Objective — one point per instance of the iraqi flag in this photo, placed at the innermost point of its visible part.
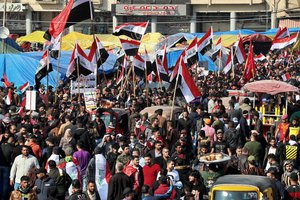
(138, 66)
(79, 61)
(229, 63)
(191, 54)
(44, 68)
(24, 87)
(130, 47)
(22, 107)
(161, 72)
(216, 50)
(5, 81)
(240, 52)
(176, 67)
(187, 85)
(282, 33)
(164, 59)
(284, 42)
(122, 73)
(286, 76)
(134, 30)
(98, 55)
(9, 96)
(250, 68)
(102, 175)
(205, 41)
(74, 12)
(260, 58)
(149, 66)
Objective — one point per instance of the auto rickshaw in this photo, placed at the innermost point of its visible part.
(243, 187)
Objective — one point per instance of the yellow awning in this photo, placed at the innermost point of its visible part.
(34, 37)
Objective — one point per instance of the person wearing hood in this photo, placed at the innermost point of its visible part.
(43, 184)
(288, 167)
(24, 191)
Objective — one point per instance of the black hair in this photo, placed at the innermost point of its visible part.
(25, 178)
(76, 184)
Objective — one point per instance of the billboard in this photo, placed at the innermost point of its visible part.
(151, 9)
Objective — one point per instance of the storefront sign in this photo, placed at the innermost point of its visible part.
(151, 9)
(12, 7)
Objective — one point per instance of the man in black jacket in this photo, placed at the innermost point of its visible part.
(76, 191)
(118, 183)
(60, 178)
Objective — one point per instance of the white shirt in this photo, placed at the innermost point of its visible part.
(21, 167)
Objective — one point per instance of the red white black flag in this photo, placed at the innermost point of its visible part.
(205, 41)
(79, 64)
(284, 42)
(130, 47)
(191, 54)
(44, 68)
(240, 52)
(74, 12)
(229, 63)
(282, 33)
(187, 84)
(135, 30)
(98, 55)
(138, 65)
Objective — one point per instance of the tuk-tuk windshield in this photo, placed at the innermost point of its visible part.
(235, 195)
(106, 120)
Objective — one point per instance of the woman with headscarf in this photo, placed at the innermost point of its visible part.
(67, 140)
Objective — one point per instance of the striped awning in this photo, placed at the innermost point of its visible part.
(289, 23)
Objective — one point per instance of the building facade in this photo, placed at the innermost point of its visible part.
(164, 16)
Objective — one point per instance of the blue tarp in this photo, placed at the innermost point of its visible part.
(21, 68)
(174, 55)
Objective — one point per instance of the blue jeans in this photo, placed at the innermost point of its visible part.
(4, 182)
(16, 185)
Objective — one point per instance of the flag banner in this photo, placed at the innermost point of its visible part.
(260, 58)
(205, 41)
(134, 30)
(286, 76)
(69, 16)
(240, 52)
(43, 69)
(79, 61)
(161, 72)
(217, 48)
(5, 81)
(187, 85)
(282, 33)
(130, 47)
(250, 68)
(191, 54)
(24, 87)
(138, 66)
(284, 42)
(228, 64)
(98, 55)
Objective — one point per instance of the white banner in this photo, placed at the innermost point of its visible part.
(30, 100)
(86, 84)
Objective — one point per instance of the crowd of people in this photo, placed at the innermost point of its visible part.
(61, 151)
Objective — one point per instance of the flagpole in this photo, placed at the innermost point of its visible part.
(134, 82)
(125, 82)
(47, 84)
(57, 68)
(220, 57)
(232, 62)
(174, 95)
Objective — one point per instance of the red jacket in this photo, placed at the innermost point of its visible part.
(162, 189)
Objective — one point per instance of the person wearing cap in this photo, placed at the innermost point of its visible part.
(282, 131)
(43, 183)
(128, 194)
(289, 168)
(293, 191)
(252, 169)
(220, 145)
(209, 131)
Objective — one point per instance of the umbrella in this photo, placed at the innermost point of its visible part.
(270, 87)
